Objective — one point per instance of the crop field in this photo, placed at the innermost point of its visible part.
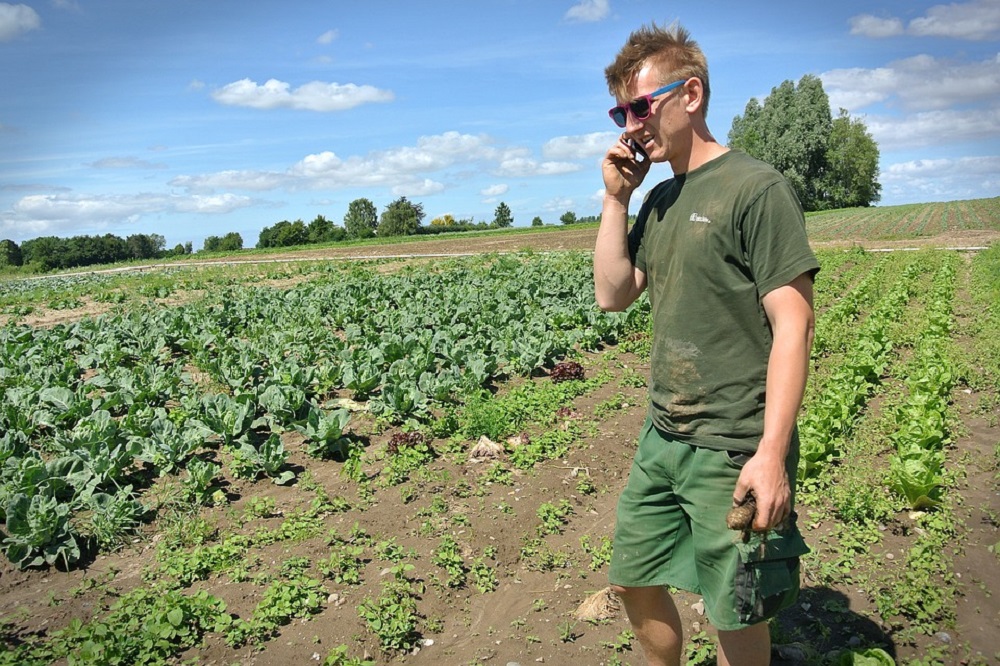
(913, 221)
(417, 462)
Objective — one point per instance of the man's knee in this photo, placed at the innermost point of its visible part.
(620, 591)
(635, 593)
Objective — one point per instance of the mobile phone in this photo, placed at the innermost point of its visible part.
(640, 154)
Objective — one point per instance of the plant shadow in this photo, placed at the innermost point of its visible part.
(820, 625)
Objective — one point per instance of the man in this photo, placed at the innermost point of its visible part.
(722, 249)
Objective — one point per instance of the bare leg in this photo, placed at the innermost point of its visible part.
(656, 623)
(745, 647)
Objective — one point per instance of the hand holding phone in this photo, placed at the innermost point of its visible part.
(624, 167)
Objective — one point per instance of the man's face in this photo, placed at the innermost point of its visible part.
(666, 115)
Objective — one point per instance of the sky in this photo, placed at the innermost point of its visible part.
(194, 118)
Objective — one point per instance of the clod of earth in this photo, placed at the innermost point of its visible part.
(602, 605)
(740, 517)
(485, 449)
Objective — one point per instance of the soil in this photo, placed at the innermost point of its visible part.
(531, 616)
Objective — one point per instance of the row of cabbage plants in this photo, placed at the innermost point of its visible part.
(96, 410)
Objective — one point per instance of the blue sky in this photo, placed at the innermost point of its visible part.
(191, 118)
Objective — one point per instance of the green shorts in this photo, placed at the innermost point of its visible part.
(671, 530)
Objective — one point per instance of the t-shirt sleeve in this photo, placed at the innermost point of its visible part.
(774, 235)
(636, 248)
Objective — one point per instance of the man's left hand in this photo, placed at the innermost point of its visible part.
(767, 478)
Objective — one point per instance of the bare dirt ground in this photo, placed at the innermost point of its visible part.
(580, 239)
(531, 615)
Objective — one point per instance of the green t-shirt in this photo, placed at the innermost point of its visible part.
(712, 243)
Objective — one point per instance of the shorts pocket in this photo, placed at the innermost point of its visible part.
(737, 459)
(767, 576)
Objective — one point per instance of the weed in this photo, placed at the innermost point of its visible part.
(499, 475)
(484, 577)
(610, 406)
(345, 564)
(700, 650)
(285, 599)
(392, 617)
(539, 557)
(553, 516)
(567, 632)
(585, 486)
(390, 550)
(339, 656)
(600, 555)
(259, 506)
(448, 556)
(622, 643)
(632, 379)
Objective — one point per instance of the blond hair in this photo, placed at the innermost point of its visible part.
(670, 50)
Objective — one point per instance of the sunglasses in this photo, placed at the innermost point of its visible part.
(639, 107)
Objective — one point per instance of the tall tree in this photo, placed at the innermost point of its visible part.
(228, 243)
(320, 230)
(400, 218)
(790, 132)
(502, 217)
(361, 219)
(446, 220)
(145, 246)
(283, 234)
(10, 253)
(852, 171)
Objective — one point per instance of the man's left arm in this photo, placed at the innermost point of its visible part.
(789, 310)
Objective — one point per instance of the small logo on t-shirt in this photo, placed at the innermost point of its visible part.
(697, 217)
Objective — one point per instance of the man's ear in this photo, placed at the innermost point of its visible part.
(695, 91)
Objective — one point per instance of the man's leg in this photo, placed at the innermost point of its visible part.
(655, 621)
(745, 647)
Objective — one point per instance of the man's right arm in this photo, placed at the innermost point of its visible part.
(617, 281)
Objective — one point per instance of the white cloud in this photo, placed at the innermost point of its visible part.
(420, 188)
(524, 167)
(920, 82)
(987, 165)
(578, 147)
(588, 11)
(495, 190)
(16, 20)
(559, 205)
(867, 25)
(125, 162)
(930, 128)
(422, 169)
(402, 169)
(974, 20)
(328, 37)
(254, 181)
(45, 214)
(214, 204)
(408, 163)
(312, 96)
(942, 179)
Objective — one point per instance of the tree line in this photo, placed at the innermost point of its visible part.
(402, 217)
(53, 253)
(830, 162)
